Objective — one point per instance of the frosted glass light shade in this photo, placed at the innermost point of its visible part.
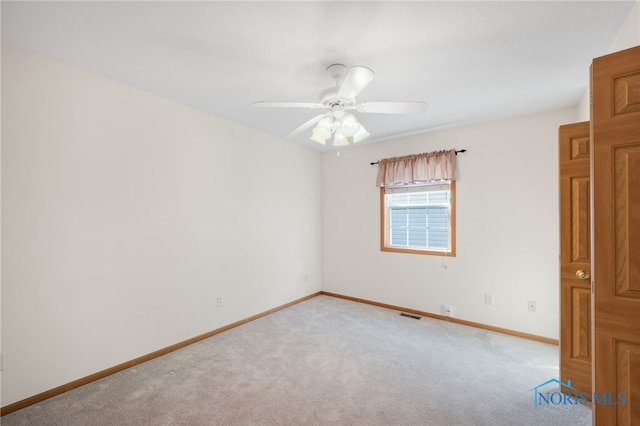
(323, 128)
(361, 135)
(317, 137)
(350, 126)
(340, 140)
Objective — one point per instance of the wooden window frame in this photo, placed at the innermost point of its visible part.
(452, 229)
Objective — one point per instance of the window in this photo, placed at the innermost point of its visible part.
(418, 218)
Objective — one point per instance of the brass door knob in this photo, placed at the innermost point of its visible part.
(582, 275)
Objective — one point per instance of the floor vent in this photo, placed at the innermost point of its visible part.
(403, 314)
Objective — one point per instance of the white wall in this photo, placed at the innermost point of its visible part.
(507, 226)
(125, 215)
(629, 34)
(627, 37)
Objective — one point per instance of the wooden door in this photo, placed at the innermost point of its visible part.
(615, 175)
(575, 257)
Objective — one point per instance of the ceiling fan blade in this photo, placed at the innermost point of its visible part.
(269, 104)
(306, 125)
(411, 107)
(357, 78)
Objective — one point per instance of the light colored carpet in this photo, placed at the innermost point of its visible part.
(326, 361)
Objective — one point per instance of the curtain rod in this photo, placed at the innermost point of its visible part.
(461, 150)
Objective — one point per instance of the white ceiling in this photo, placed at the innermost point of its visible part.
(469, 61)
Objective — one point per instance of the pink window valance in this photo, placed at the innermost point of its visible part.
(417, 168)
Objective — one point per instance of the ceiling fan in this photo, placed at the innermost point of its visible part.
(339, 100)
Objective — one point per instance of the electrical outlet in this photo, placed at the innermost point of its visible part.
(219, 301)
(488, 299)
(531, 305)
(447, 311)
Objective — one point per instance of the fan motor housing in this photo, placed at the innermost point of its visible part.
(329, 99)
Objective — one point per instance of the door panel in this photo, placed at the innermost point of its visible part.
(581, 332)
(615, 147)
(575, 255)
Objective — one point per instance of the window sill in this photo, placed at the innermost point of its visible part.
(418, 251)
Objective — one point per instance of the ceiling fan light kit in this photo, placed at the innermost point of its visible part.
(342, 126)
(337, 122)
